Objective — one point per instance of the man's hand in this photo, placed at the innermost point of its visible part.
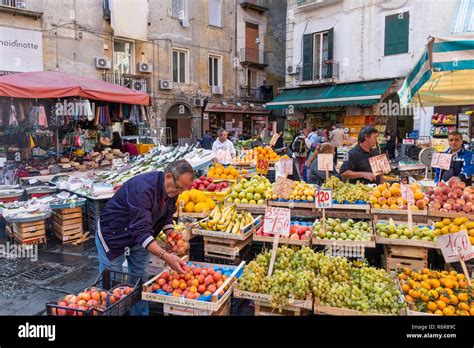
(368, 176)
(174, 262)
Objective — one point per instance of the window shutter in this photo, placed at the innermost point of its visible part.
(390, 35)
(330, 52)
(396, 33)
(215, 12)
(307, 57)
(403, 32)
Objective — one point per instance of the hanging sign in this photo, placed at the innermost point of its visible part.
(379, 164)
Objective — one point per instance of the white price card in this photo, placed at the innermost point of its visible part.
(323, 199)
(441, 160)
(277, 221)
(455, 245)
(407, 193)
(325, 161)
(379, 164)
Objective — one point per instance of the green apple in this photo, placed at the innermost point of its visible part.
(249, 196)
(257, 196)
(237, 201)
(242, 195)
(260, 201)
(252, 201)
(244, 201)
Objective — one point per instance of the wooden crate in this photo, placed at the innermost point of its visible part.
(41, 239)
(173, 310)
(269, 239)
(265, 309)
(244, 233)
(28, 232)
(398, 256)
(67, 224)
(264, 298)
(322, 309)
(224, 248)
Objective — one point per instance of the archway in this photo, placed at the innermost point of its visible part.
(178, 118)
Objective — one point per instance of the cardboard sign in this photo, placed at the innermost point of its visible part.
(325, 161)
(262, 166)
(323, 199)
(407, 193)
(455, 246)
(277, 221)
(284, 167)
(283, 187)
(379, 164)
(441, 160)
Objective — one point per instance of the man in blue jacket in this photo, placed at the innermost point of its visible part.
(132, 219)
(461, 162)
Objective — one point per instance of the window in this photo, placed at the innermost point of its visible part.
(180, 66)
(215, 12)
(214, 71)
(178, 9)
(396, 33)
(318, 55)
(123, 57)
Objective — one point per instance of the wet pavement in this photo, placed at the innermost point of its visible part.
(27, 284)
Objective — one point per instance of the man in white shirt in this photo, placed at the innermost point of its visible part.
(337, 139)
(223, 148)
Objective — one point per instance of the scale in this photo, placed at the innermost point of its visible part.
(425, 157)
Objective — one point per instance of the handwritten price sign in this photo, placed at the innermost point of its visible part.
(455, 245)
(407, 193)
(284, 167)
(277, 221)
(325, 161)
(441, 160)
(379, 164)
(262, 166)
(323, 199)
(283, 187)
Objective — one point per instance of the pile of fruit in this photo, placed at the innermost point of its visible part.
(439, 293)
(336, 229)
(335, 280)
(93, 299)
(219, 172)
(299, 230)
(195, 284)
(452, 197)
(447, 226)
(178, 240)
(195, 201)
(246, 157)
(301, 191)
(207, 184)
(401, 231)
(347, 193)
(226, 219)
(386, 196)
(266, 152)
(253, 191)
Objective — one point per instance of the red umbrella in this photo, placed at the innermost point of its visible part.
(53, 84)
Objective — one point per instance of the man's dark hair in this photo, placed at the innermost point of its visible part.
(455, 133)
(179, 168)
(366, 132)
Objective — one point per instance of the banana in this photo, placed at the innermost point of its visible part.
(235, 230)
(225, 215)
(216, 214)
(203, 224)
(229, 228)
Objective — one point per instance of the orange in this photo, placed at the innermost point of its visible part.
(463, 306)
(386, 194)
(438, 312)
(426, 285)
(444, 299)
(463, 297)
(432, 306)
(434, 294)
(441, 305)
(402, 276)
(405, 288)
(435, 283)
(410, 299)
(454, 299)
(448, 311)
(449, 291)
(471, 311)
(414, 293)
(448, 283)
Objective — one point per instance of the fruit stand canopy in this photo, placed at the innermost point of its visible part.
(357, 93)
(444, 74)
(53, 84)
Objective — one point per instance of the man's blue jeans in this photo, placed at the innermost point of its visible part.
(138, 259)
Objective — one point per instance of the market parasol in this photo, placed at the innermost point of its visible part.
(444, 74)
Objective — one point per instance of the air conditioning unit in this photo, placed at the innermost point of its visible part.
(292, 70)
(198, 102)
(145, 67)
(216, 90)
(139, 85)
(103, 63)
(166, 84)
(184, 23)
(20, 4)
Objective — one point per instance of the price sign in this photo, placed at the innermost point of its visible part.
(277, 221)
(283, 187)
(455, 246)
(323, 199)
(262, 166)
(441, 160)
(284, 167)
(409, 141)
(325, 161)
(379, 164)
(407, 193)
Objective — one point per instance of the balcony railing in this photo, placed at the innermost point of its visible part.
(323, 72)
(258, 5)
(263, 93)
(253, 56)
(312, 4)
(136, 82)
(21, 4)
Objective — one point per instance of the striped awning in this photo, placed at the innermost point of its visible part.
(444, 74)
(463, 20)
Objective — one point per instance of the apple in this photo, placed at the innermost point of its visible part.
(201, 187)
(202, 177)
(301, 230)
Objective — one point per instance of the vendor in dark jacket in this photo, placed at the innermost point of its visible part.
(132, 219)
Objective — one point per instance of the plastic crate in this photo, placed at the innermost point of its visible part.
(246, 255)
(108, 280)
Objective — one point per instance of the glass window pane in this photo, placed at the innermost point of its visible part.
(216, 72)
(182, 67)
(210, 71)
(175, 66)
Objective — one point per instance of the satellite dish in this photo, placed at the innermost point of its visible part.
(425, 157)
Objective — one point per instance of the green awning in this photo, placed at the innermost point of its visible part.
(357, 93)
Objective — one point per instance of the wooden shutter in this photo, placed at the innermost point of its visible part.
(330, 52)
(403, 32)
(307, 57)
(390, 35)
(396, 33)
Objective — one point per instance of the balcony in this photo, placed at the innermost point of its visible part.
(138, 83)
(253, 57)
(327, 72)
(257, 5)
(19, 7)
(263, 93)
(304, 5)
